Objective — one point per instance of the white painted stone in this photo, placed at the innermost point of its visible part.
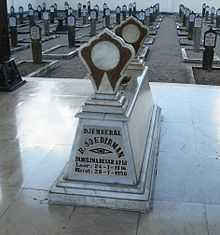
(131, 33)
(105, 55)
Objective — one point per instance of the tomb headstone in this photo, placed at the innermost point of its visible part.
(184, 17)
(142, 16)
(207, 9)
(147, 17)
(12, 10)
(10, 79)
(124, 12)
(52, 14)
(107, 18)
(39, 12)
(72, 30)
(130, 9)
(61, 27)
(93, 22)
(55, 10)
(84, 15)
(96, 7)
(89, 7)
(133, 32)
(218, 19)
(36, 44)
(31, 16)
(46, 23)
(105, 6)
(203, 9)
(79, 10)
(210, 39)
(197, 33)
(118, 15)
(181, 6)
(191, 25)
(212, 15)
(151, 15)
(44, 6)
(13, 30)
(114, 155)
(21, 15)
(30, 6)
(66, 9)
(134, 12)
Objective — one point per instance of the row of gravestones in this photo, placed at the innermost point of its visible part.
(210, 14)
(193, 23)
(184, 14)
(71, 26)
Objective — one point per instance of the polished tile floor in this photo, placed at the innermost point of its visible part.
(37, 128)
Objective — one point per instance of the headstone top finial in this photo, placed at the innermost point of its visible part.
(106, 57)
(132, 31)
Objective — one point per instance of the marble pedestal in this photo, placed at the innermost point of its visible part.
(113, 161)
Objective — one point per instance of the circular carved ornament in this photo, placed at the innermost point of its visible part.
(131, 33)
(105, 55)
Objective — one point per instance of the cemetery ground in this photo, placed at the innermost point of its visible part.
(164, 60)
(37, 128)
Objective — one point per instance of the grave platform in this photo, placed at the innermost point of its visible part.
(61, 52)
(29, 69)
(37, 130)
(190, 56)
(182, 33)
(205, 77)
(184, 41)
(19, 48)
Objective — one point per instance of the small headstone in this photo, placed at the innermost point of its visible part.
(93, 22)
(96, 8)
(39, 12)
(46, 23)
(13, 30)
(36, 44)
(210, 39)
(191, 25)
(31, 16)
(79, 10)
(84, 14)
(197, 33)
(66, 8)
(207, 9)
(147, 17)
(218, 19)
(55, 10)
(212, 15)
(30, 6)
(203, 9)
(118, 15)
(44, 6)
(130, 9)
(52, 14)
(151, 15)
(21, 15)
(124, 12)
(142, 16)
(134, 12)
(89, 7)
(107, 17)
(105, 6)
(71, 21)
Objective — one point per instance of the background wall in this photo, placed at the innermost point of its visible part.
(166, 5)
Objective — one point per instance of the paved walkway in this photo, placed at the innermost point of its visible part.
(165, 60)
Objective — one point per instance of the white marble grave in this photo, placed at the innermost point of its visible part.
(113, 161)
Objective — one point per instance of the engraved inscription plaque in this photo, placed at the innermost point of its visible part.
(101, 153)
